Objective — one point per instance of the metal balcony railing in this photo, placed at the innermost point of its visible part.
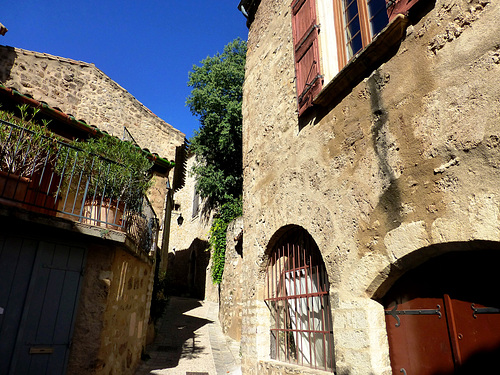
(41, 174)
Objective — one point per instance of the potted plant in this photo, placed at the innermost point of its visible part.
(106, 176)
(25, 148)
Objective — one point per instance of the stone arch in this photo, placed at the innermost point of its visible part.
(187, 270)
(362, 296)
(446, 304)
(297, 296)
(278, 235)
(392, 271)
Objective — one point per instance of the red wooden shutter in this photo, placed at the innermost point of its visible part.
(395, 7)
(306, 49)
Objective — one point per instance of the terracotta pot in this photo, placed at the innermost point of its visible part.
(41, 193)
(103, 213)
(13, 189)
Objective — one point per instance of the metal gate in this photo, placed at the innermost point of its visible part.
(442, 320)
(39, 288)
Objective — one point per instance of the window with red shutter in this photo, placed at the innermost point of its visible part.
(351, 25)
(305, 39)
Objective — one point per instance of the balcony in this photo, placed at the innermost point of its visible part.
(42, 174)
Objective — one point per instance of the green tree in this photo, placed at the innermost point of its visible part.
(215, 99)
(216, 95)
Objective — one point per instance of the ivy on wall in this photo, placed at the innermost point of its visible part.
(227, 213)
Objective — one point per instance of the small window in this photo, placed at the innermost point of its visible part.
(177, 207)
(196, 203)
(297, 296)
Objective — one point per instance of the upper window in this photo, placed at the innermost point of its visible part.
(297, 296)
(306, 51)
(359, 21)
(327, 34)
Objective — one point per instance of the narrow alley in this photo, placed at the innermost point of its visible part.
(190, 341)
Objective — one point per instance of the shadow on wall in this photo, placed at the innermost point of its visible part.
(7, 58)
(187, 269)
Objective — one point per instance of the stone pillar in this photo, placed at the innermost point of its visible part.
(360, 337)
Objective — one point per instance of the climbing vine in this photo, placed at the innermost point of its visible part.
(227, 213)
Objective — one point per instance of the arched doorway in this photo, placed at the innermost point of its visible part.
(443, 317)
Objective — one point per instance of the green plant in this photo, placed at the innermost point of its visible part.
(227, 213)
(27, 146)
(216, 98)
(112, 170)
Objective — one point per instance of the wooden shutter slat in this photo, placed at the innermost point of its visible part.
(306, 49)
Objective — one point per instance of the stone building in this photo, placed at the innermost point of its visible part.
(189, 264)
(75, 291)
(188, 270)
(371, 174)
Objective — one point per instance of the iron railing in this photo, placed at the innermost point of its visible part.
(45, 175)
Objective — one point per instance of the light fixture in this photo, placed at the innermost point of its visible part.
(180, 219)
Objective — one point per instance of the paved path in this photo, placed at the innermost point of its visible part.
(189, 341)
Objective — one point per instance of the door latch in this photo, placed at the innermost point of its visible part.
(41, 350)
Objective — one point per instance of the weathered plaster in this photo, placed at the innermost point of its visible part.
(401, 169)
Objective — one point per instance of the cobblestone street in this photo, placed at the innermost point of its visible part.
(190, 341)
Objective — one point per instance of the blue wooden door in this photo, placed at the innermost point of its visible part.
(17, 256)
(45, 317)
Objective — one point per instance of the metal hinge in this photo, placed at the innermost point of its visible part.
(309, 32)
(390, 3)
(483, 310)
(309, 86)
(394, 312)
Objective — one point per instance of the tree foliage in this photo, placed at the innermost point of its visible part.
(216, 96)
(215, 99)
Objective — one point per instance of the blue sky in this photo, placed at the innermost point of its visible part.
(147, 47)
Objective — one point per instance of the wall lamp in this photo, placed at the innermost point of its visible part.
(180, 219)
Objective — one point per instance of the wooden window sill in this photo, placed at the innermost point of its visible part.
(363, 63)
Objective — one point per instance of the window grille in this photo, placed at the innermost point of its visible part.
(297, 296)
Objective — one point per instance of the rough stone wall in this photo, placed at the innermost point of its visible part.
(113, 314)
(127, 314)
(407, 159)
(84, 355)
(191, 235)
(81, 89)
(233, 281)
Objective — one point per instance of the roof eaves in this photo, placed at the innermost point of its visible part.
(181, 153)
